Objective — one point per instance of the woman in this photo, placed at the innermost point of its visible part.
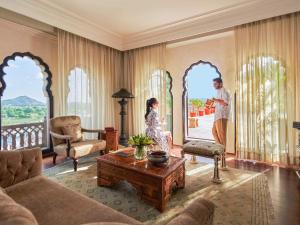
(154, 130)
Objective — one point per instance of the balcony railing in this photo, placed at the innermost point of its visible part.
(24, 135)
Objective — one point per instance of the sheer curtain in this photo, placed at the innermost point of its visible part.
(88, 74)
(145, 77)
(268, 81)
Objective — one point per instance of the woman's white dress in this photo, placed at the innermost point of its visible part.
(155, 132)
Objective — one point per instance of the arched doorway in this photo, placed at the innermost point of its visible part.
(197, 90)
(26, 102)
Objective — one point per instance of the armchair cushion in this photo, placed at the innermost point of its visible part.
(12, 213)
(81, 148)
(57, 123)
(74, 130)
(19, 165)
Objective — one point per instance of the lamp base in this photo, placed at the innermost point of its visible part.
(124, 142)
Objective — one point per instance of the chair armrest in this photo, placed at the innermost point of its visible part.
(60, 136)
(199, 212)
(100, 132)
(19, 165)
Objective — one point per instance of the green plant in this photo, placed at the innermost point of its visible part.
(140, 140)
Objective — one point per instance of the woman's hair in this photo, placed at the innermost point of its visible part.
(149, 104)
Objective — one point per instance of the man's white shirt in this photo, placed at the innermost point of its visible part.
(222, 111)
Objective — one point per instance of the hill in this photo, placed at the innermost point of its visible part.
(22, 101)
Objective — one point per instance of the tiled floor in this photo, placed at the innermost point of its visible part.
(283, 183)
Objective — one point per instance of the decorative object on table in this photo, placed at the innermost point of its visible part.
(140, 142)
(157, 157)
(112, 139)
(296, 125)
(123, 94)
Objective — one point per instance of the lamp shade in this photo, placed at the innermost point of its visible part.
(122, 93)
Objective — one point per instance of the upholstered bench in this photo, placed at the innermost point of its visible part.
(209, 150)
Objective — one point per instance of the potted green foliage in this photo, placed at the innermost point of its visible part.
(139, 142)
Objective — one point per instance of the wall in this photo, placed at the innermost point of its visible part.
(18, 38)
(217, 49)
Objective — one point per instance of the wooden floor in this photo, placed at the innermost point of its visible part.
(283, 183)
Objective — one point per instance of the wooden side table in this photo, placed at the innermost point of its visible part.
(112, 138)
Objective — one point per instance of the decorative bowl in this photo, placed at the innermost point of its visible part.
(157, 157)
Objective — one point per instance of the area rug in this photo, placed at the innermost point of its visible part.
(242, 199)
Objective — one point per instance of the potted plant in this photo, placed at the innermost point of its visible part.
(139, 142)
(194, 103)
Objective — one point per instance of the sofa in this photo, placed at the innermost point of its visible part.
(28, 198)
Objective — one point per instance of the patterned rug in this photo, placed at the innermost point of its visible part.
(242, 199)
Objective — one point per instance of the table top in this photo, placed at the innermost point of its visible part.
(141, 166)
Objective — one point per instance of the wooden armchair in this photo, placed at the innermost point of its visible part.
(66, 133)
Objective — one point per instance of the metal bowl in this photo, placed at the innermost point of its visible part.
(157, 157)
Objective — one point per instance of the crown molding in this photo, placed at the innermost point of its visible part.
(212, 21)
(64, 20)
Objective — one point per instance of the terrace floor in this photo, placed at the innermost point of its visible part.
(204, 130)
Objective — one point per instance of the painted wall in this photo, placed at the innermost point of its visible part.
(18, 38)
(218, 50)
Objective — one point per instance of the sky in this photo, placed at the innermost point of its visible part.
(199, 81)
(23, 77)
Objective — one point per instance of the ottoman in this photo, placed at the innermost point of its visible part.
(209, 150)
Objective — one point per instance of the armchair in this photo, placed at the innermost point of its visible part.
(66, 133)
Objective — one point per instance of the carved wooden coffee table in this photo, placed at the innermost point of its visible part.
(153, 183)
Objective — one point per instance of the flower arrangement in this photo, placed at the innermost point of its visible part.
(139, 142)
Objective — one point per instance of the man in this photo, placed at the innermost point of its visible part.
(222, 112)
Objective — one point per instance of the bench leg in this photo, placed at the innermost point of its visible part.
(223, 162)
(216, 177)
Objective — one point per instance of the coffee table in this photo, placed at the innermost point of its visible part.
(154, 184)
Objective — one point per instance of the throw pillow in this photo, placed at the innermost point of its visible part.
(74, 130)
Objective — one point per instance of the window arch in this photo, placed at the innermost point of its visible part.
(197, 88)
(26, 101)
(79, 98)
(162, 80)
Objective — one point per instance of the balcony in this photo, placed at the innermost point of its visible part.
(27, 135)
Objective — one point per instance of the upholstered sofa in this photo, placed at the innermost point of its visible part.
(28, 198)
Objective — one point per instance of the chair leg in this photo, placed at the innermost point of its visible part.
(75, 163)
(54, 158)
(223, 162)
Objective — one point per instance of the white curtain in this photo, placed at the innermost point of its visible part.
(88, 74)
(268, 96)
(145, 77)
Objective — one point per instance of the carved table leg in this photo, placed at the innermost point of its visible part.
(216, 177)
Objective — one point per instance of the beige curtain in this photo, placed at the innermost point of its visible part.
(88, 74)
(145, 77)
(268, 84)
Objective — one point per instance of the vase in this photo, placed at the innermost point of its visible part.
(139, 152)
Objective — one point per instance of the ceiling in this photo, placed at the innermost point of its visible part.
(127, 24)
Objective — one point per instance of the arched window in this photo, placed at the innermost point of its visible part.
(26, 102)
(262, 108)
(198, 88)
(161, 88)
(79, 99)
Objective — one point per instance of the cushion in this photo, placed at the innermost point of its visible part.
(74, 130)
(82, 148)
(53, 204)
(203, 148)
(12, 213)
(200, 211)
